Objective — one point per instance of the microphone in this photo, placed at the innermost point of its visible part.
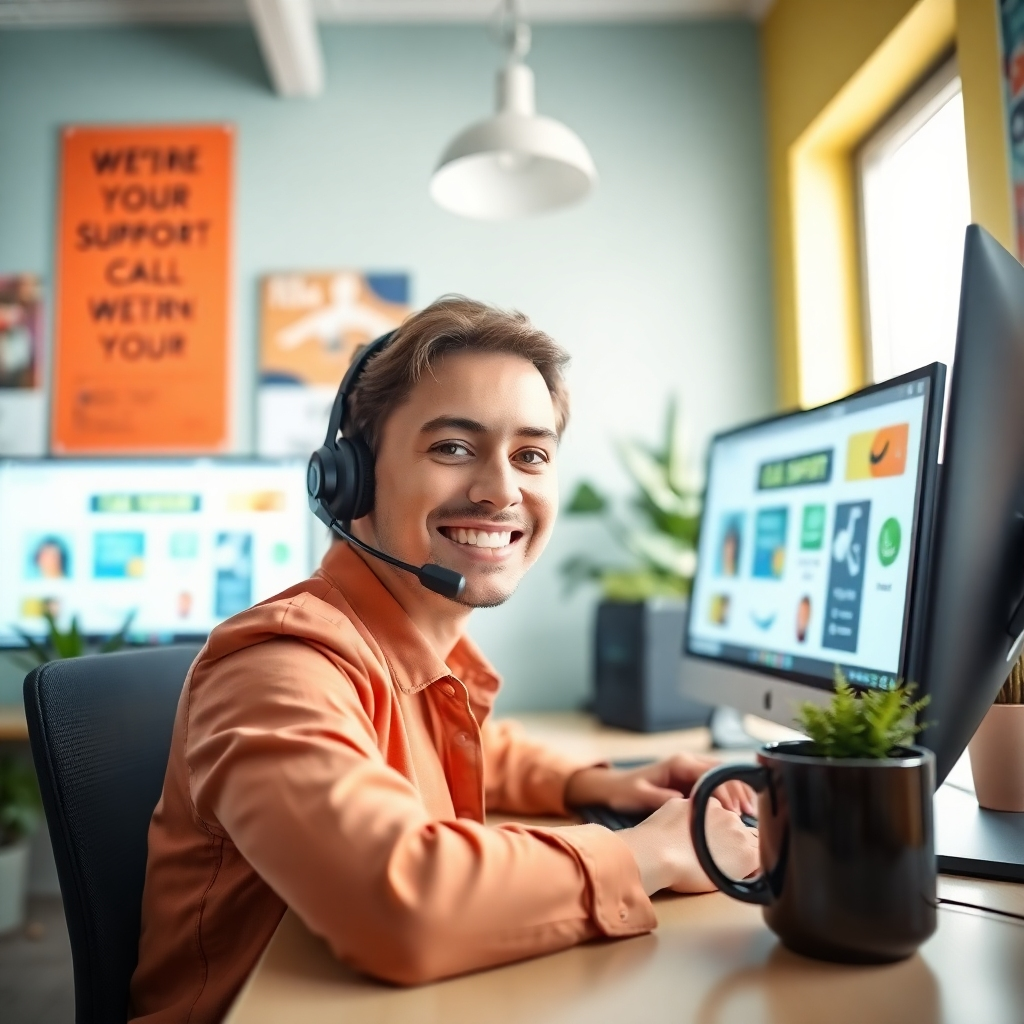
(446, 582)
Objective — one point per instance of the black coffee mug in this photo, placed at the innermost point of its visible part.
(847, 849)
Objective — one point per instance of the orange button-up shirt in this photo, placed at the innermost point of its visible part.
(325, 759)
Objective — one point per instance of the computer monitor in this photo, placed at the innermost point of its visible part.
(961, 626)
(974, 628)
(809, 549)
(181, 543)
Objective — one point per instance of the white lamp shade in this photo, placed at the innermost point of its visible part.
(512, 165)
(515, 163)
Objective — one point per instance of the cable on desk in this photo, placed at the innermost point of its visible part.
(942, 901)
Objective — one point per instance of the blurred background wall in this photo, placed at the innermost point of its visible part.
(659, 284)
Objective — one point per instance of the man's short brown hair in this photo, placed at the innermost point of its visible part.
(451, 324)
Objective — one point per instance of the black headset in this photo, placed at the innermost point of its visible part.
(340, 484)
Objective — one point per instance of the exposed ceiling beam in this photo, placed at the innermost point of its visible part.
(288, 37)
(91, 12)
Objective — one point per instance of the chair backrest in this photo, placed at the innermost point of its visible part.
(100, 729)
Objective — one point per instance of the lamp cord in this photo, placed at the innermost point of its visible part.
(942, 901)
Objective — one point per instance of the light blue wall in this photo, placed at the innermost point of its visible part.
(659, 283)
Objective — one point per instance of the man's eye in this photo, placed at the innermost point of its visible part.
(451, 448)
(532, 457)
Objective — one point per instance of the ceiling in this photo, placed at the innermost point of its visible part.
(90, 12)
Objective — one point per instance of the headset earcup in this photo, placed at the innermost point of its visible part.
(362, 499)
(352, 495)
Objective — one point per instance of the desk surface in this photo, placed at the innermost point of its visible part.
(711, 960)
(12, 723)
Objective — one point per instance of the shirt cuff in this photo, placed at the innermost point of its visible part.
(618, 904)
(552, 777)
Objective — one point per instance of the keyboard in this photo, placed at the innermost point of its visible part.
(599, 814)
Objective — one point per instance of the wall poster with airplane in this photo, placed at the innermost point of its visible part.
(311, 324)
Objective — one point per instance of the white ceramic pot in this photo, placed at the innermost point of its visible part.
(13, 885)
(997, 758)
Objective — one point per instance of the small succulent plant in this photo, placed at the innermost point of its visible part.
(869, 724)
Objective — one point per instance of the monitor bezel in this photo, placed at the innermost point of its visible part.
(921, 535)
(142, 639)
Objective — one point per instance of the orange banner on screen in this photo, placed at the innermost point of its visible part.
(877, 453)
(143, 278)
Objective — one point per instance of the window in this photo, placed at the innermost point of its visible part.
(915, 207)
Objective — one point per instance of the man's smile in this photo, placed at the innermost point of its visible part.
(489, 540)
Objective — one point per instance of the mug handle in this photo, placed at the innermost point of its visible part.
(749, 890)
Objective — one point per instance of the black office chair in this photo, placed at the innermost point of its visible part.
(100, 730)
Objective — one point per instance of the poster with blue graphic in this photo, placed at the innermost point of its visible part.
(232, 556)
(846, 576)
(770, 543)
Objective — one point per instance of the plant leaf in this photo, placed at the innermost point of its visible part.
(652, 478)
(586, 500)
(117, 641)
(40, 653)
(668, 554)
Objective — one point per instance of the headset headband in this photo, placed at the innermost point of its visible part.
(363, 355)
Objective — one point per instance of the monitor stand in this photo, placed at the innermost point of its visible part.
(975, 842)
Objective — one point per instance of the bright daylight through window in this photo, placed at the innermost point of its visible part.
(915, 207)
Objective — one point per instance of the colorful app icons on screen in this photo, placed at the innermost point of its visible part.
(877, 453)
(718, 610)
(47, 557)
(184, 544)
(257, 501)
(232, 558)
(812, 528)
(37, 607)
(889, 542)
(184, 604)
(119, 555)
(846, 576)
(770, 543)
(803, 618)
(730, 544)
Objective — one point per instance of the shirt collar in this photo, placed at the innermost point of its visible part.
(411, 659)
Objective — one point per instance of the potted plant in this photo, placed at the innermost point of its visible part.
(641, 618)
(845, 830)
(69, 643)
(997, 748)
(19, 810)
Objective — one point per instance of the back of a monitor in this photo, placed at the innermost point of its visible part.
(977, 568)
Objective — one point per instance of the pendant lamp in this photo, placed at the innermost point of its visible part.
(515, 163)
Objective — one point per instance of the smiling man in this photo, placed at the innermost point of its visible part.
(334, 750)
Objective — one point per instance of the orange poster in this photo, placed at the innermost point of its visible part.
(143, 289)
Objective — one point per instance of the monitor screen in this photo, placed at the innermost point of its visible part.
(184, 544)
(808, 536)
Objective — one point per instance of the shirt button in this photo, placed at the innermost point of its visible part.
(462, 738)
(448, 690)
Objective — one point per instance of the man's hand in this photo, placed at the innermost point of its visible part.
(665, 856)
(647, 788)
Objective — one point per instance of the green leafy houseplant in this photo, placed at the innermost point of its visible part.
(868, 725)
(69, 643)
(659, 529)
(19, 801)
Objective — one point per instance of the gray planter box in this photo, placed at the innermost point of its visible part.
(637, 659)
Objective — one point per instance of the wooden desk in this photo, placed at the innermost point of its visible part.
(12, 723)
(711, 961)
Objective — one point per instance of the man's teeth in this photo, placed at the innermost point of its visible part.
(479, 538)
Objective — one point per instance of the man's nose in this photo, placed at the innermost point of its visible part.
(495, 484)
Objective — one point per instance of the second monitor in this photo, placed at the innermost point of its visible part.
(810, 536)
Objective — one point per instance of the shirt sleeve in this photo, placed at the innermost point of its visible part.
(522, 776)
(282, 747)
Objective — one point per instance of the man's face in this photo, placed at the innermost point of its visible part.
(465, 473)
